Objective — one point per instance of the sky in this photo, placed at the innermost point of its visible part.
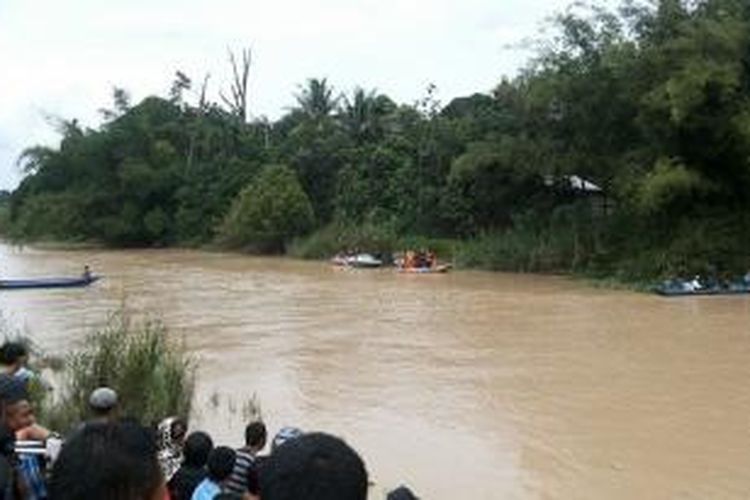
(62, 58)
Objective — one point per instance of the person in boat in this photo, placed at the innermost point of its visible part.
(408, 259)
(695, 284)
(86, 273)
(431, 259)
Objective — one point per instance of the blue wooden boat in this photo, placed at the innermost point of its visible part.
(676, 288)
(17, 284)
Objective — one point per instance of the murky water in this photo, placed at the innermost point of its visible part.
(465, 385)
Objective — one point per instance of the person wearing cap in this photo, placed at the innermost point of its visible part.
(103, 404)
(285, 434)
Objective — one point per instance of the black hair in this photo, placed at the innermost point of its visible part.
(401, 493)
(11, 352)
(226, 495)
(220, 463)
(176, 423)
(114, 460)
(256, 434)
(314, 466)
(197, 447)
(12, 390)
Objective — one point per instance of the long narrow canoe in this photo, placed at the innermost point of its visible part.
(16, 284)
(673, 292)
(678, 289)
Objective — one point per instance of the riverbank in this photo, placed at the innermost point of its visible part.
(519, 250)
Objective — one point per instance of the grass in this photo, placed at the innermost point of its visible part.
(152, 374)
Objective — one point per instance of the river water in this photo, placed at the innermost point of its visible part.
(465, 385)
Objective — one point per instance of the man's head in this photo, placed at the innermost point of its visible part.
(220, 463)
(198, 446)
(103, 402)
(113, 460)
(256, 435)
(314, 466)
(13, 354)
(17, 412)
(401, 493)
(177, 431)
(19, 415)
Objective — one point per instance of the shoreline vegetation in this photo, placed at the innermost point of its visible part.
(153, 374)
(619, 154)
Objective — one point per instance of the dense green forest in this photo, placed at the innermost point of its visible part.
(649, 103)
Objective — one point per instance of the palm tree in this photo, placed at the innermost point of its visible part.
(362, 115)
(34, 158)
(316, 100)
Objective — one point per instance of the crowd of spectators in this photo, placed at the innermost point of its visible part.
(113, 456)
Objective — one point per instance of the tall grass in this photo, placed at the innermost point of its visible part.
(565, 241)
(336, 237)
(152, 374)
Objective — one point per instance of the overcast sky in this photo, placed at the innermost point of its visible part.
(62, 57)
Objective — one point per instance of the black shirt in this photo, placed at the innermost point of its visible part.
(184, 481)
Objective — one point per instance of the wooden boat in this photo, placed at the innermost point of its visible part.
(678, 289)
(17, 284)
(439, 269)
(360, 261)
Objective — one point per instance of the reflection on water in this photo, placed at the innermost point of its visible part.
(465, 385)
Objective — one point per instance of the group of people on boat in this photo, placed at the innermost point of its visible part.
(420, 259)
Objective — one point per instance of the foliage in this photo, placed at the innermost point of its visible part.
(336, 237)
(266, 214)
(649, 102)
(152, 374)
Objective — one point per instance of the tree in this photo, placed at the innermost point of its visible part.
(316, 99)
(268, 213)
(237, 102)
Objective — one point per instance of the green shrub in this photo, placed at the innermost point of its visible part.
(153, 375)
(335, 237)
(267, 213)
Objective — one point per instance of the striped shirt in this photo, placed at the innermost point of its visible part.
(241, 479)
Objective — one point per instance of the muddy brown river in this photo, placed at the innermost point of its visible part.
(468, 385)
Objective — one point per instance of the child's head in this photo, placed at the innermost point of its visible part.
(220, 463)
(256, 435)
